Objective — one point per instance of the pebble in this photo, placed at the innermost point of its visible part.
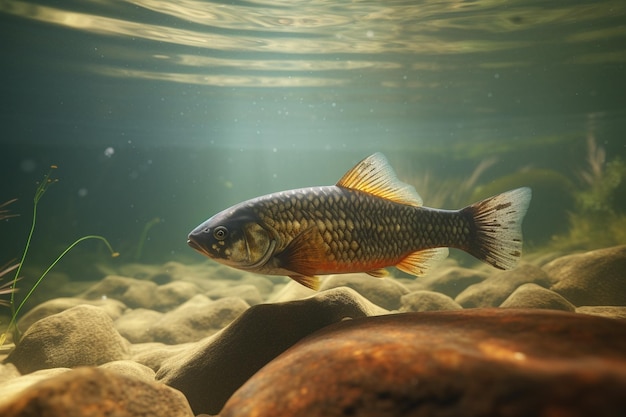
(209, 331)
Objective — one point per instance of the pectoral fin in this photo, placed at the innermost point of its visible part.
(309, 282)
(302, 256)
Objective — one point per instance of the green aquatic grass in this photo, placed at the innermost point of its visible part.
(12, 326)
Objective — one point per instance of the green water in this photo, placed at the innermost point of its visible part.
(176, 110)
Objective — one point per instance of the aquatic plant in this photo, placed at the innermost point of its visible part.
(144, 235)
(598, 220)
(450, 193)
(4, 214)
(12, 326)
(7, 287)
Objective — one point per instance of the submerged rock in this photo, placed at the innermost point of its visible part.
(596, 278)
(471, 363)
(134, 293)
(249, 293)
(196, 319)
(113, 308)
(611, 312)
(451, 280)
(427, 301)
(211, 370)
(496, 288)
(96, 392)
(535, 296)
(385, 292)
(81, 336)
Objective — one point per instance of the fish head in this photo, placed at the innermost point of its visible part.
(234, 238)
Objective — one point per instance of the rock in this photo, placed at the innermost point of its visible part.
(8, 371)
(81, 336)
(385, 292)
(475, 362)
(98, 393)
(610, 312)
(13, 387)
(290, 292)
(596, 278)
(211, 370)
(249, 293)
(136, 325)
(535, 296)
(134, 293)
(494, 290)
(173, 294)
(450, 281)
(196, 319)
(427, 301)
(113, 308)
(153, 355)
(131, 369)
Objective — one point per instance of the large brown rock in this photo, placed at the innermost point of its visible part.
(482, 362)
(93, 392)
(208, 372)
(596, 278)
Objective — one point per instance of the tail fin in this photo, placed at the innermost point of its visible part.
(498, 222)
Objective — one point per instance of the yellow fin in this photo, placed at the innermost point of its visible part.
(417, 263)
(375, 176)
(309, 282)
(378, 273)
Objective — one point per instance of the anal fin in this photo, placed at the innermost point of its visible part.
(417, 263)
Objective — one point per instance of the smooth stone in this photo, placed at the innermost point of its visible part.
(450, 281)
(13, 387)
(136, 325)
(153, 355)
(130, 369)
(211, 370)
(97, 392)
(604, 311)
(535, 296)
(476, 362)
(113, 308)
(596, 278)
(497, 287)
(8, 371)
(196, 319)
(427, 301)
(384, 292)
(81, 336)
(249, 293)
(173, 294)
(290, 292)
(134, 293)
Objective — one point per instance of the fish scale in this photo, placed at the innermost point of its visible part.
(368, 221)
(386, 230)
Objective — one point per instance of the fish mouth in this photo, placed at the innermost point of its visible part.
(197, 247)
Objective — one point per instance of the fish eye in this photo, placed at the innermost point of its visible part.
(220, 233)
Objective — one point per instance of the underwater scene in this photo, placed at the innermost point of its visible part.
(312, 208)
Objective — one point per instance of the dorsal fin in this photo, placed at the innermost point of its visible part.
(375, 176)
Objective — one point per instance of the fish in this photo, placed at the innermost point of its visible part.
(366, 222)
